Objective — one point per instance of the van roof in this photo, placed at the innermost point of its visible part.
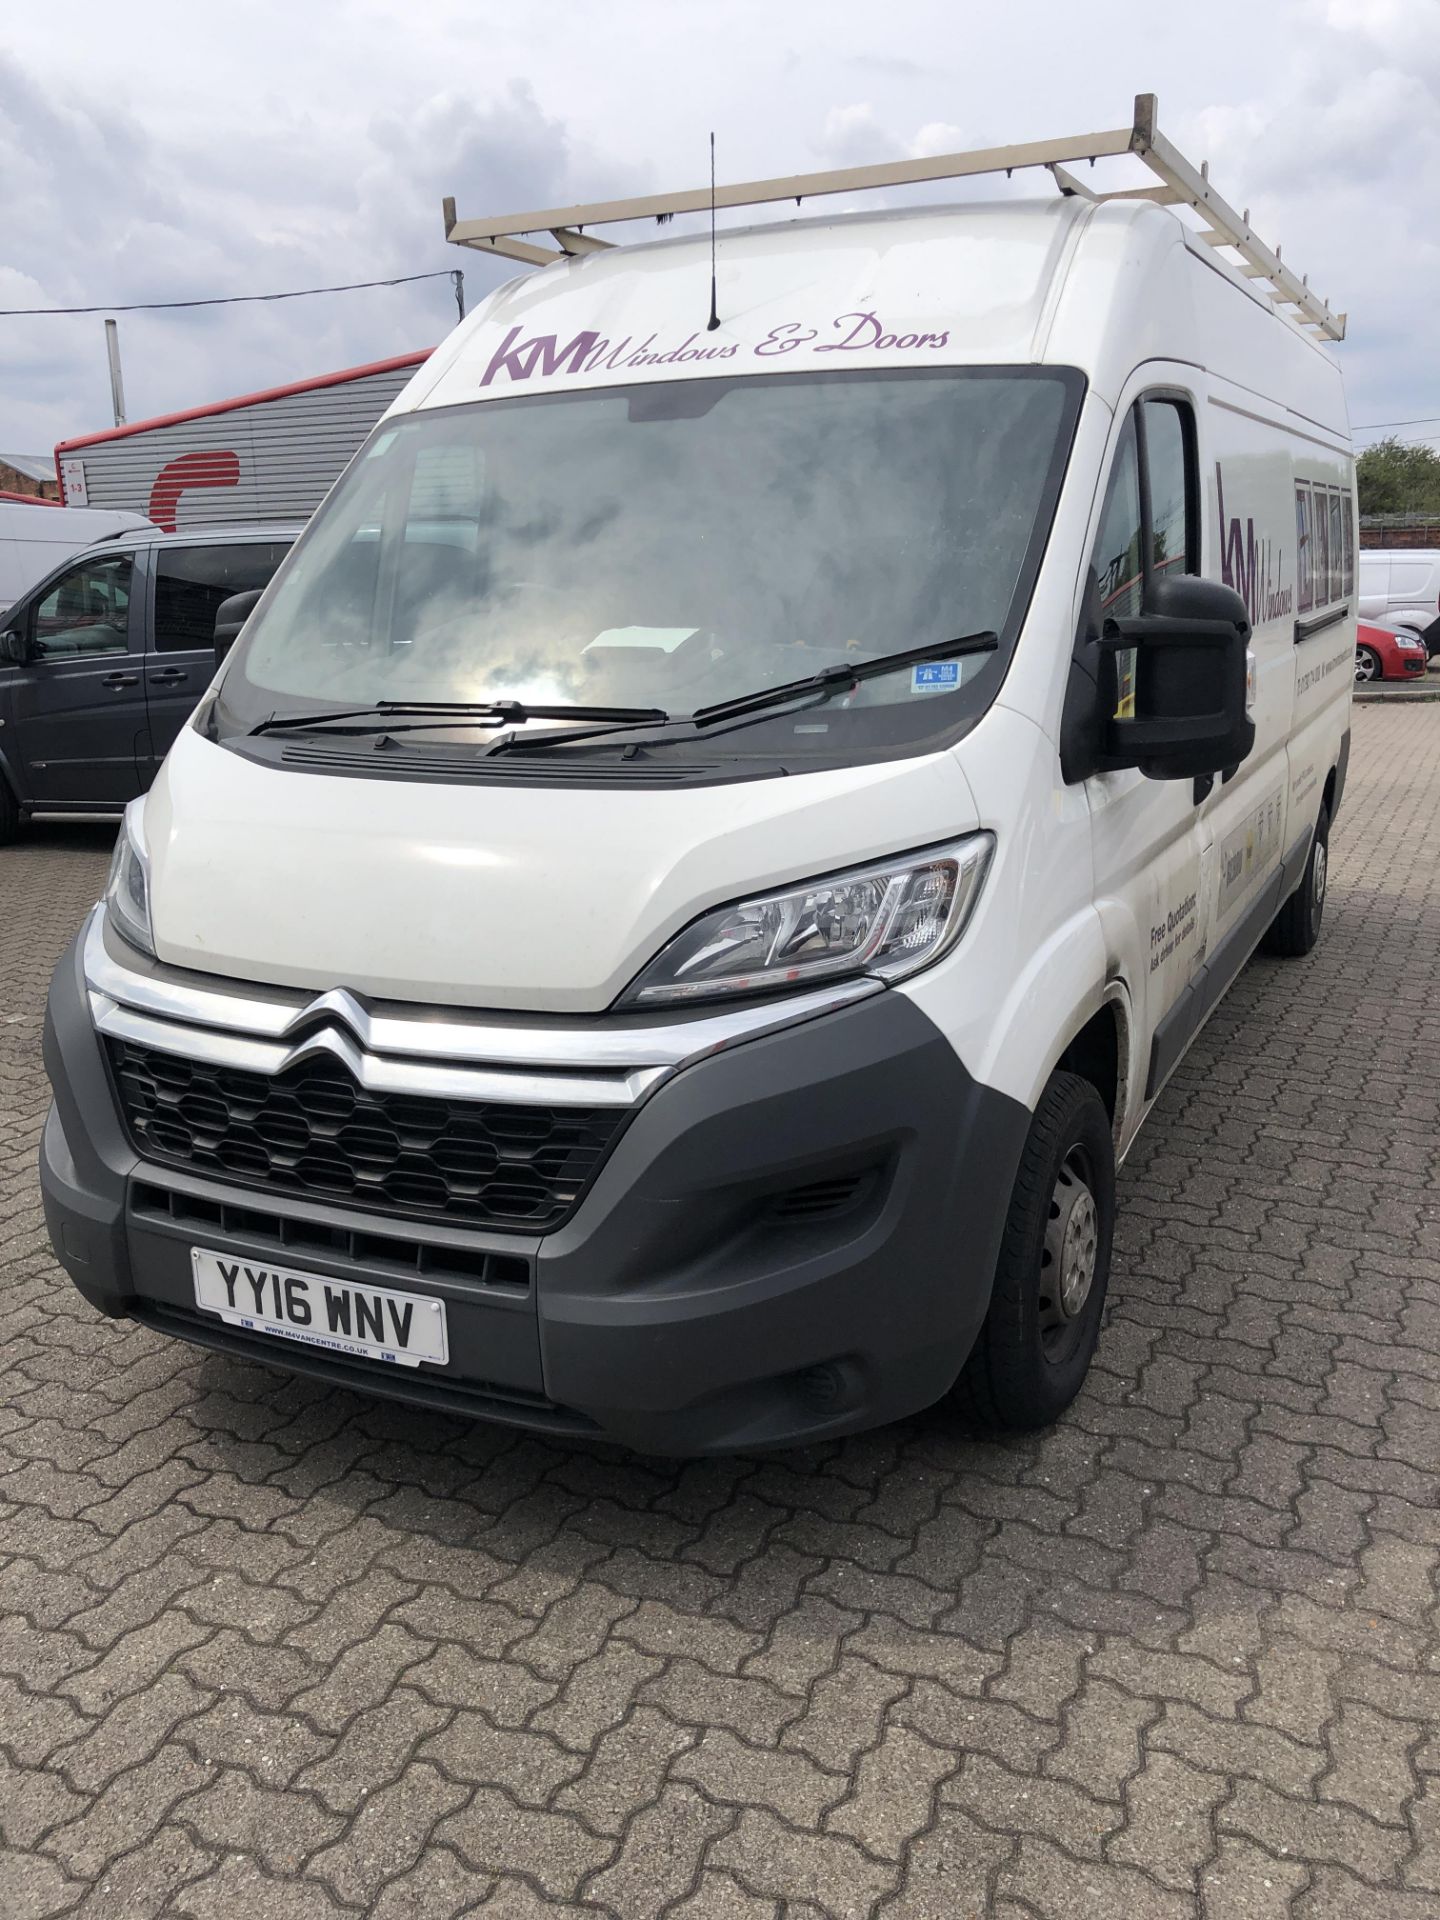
(150, 536)
(1067, 281)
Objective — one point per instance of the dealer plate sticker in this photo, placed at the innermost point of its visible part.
(934, 676)
(341, 1316)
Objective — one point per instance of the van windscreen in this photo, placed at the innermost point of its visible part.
(675, 545)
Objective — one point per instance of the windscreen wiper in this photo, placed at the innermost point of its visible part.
(825, 684)
(419, 716)
(832, 680)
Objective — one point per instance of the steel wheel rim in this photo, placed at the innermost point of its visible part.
(1320, 875)
(1069, 1256)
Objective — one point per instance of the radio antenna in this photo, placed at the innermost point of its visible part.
(713, 322)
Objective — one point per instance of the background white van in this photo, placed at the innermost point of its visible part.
(1400, 585)
(34, 539)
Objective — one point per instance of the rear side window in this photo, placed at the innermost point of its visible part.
(1304, 547)
(1337, 547)
(1325, 547)
(191, 582)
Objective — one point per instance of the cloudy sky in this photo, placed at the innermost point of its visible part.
(166, 151)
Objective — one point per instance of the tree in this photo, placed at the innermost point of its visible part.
(1392, 477)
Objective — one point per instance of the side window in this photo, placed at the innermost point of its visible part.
(1322, 547)
(1116, 558)
(191, 582)
(1304, 548)
(1150, 523)
(86, 611)
(1169, 467)
(1337, 547)
(1347, 585)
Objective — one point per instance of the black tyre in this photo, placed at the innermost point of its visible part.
(9, 814)
(1038, 1338)
(1296, 928)
(1367, 666)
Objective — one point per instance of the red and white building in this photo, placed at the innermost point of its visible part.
(262, 457)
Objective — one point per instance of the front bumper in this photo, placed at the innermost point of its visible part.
(791, 1239)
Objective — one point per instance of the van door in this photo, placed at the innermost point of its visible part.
(1146, 834)
(187, 586)
(1412, 598)
(1283, 540)
(1374, 600)
(78, 706)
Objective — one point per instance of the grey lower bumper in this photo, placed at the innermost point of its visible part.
(790, 1240)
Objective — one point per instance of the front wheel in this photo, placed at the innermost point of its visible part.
(1367, 666)
(1296, 928)
(1044, 1321)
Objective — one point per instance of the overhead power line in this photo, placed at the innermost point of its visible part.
(241, 299)
(1376, 426)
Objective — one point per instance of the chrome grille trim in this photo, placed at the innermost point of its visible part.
(610, 1062)
(371, 1071)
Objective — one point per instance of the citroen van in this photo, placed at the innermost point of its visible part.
(707, 851)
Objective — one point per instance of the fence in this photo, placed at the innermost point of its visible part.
(1400, 530)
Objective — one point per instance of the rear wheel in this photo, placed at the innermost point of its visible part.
(1296, 928)
(1044, 1321)
(1367, 666)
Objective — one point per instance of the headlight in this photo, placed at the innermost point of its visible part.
(1408, 642)
(127, 891)
(888, 920)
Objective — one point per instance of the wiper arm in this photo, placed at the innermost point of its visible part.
(612, 720)
(832, 680)
(423, 714)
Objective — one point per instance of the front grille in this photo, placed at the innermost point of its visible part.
(313, 1130)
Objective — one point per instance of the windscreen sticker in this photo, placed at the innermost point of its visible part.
(934, 676)
(521, 356)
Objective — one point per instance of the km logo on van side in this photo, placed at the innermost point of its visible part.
(1251, 566)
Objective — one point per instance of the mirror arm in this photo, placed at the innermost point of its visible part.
(1159, 630)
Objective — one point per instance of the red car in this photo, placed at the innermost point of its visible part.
(1387, 653)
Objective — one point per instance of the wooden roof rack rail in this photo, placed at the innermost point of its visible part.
(1178, 184)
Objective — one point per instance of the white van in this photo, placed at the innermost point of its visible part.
(707, 851)
(1401, 586)
(35, 538)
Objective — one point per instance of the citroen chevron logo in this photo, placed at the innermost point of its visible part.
(338, 1006)
(327, 1040)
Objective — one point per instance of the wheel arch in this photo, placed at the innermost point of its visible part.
(1099, 1051)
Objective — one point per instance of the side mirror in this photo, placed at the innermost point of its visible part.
(1167, 690)
(14, 650)
(230, 617)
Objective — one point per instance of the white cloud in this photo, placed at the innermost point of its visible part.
(264, 145)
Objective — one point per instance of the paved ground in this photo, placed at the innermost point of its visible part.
(269, 1651)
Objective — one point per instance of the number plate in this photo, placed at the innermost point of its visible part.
(341, 1316)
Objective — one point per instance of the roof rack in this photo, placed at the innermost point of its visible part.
(1179, 185)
